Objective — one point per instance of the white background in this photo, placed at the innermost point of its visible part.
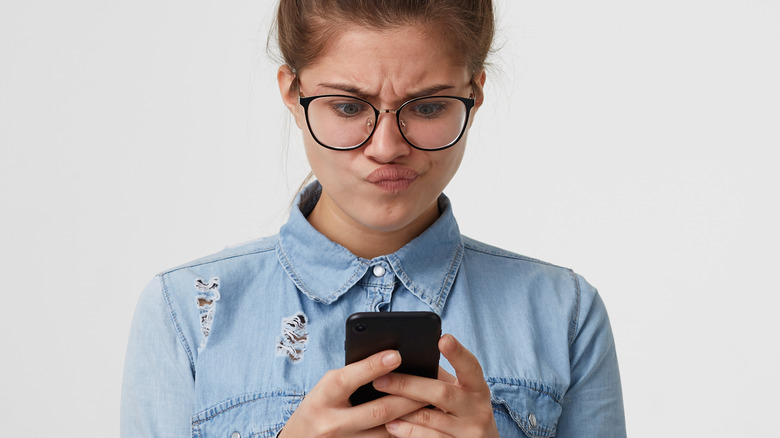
(635, 142)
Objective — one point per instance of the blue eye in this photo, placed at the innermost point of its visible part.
(428, 110)
(348, 109)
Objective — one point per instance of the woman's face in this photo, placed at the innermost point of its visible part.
(385, 185)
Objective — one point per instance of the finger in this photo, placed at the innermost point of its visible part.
(341, 383)
(377, 432)
(445, 376)
(467, 367)
(403, 429)
(434, 420)
(380, 411)
(434, 392)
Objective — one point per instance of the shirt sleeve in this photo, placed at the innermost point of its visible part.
(158, 385)
(593, 404)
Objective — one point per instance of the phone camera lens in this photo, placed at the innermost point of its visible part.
(360, 328)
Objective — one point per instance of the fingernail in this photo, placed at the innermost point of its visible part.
(391, 358)
(381, 382)
(391, 426)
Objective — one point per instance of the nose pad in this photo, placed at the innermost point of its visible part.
(370, 125)
(387, 142)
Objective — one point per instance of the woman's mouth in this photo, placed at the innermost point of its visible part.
(392, 177)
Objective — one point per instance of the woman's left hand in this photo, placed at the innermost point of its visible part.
(463, 402)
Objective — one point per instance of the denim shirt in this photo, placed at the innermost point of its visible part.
(227, 346)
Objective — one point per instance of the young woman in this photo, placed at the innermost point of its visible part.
(249, 342)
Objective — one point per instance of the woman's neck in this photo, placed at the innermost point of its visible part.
(364, 241)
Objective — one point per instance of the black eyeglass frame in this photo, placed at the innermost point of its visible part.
(304, 101)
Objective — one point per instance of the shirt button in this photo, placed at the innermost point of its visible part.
(379, 271)
(532, 420)
(235, 435)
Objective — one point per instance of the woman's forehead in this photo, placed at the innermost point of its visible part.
(405, 60)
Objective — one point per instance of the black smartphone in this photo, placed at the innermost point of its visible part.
(414, 334)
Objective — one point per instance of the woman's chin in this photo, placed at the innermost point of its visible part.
(400, 220)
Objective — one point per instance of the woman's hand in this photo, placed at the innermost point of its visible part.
(463, 402)
(326, 411)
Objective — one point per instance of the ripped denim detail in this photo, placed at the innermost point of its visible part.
(294, 337)
(208, 295)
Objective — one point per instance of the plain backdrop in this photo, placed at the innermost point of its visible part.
(634, 141)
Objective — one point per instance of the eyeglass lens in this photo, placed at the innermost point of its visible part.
(343, 122)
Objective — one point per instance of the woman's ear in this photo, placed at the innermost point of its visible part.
(478, 82)
(288, 88)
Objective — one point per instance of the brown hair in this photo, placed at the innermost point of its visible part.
(304, 27)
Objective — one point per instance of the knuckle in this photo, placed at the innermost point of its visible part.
(337, 378)
(329, 375)
(373, 367)
(400, 383)
(367, 369)
(380, 412)
(424, 416)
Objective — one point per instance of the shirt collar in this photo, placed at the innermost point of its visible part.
(324, 270)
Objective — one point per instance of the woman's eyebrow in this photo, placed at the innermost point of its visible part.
(430, 90)
(427, 91)
(351, 89)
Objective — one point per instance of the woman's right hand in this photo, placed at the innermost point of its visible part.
(327, 412)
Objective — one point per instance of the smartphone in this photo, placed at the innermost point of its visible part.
(414, 334)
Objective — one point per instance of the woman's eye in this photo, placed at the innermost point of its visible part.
(428, 110)
(349, 108)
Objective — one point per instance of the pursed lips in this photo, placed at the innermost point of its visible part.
(392, 177)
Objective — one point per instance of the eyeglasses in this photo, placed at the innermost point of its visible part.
(428, 123)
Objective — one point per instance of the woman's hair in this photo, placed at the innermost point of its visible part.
(304, 27)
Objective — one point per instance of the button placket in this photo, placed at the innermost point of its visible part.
(380, 284)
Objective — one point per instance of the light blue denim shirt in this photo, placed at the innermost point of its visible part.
(232, 342)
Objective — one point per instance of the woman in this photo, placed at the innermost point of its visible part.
(384, 94)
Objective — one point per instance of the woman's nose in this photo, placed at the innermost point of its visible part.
(387, 144)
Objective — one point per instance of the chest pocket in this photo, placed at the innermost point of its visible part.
(257, 415)
(523, 411)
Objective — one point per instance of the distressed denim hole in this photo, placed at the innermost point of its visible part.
(208, 295)
(295, 335)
